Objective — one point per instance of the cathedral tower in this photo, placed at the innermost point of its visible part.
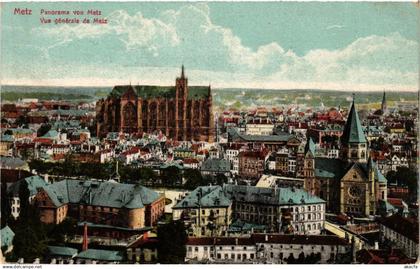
(353, 140)
(384, 107)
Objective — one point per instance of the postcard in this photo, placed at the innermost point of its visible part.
(209, 133)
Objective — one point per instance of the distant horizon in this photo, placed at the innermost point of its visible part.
(218, 88)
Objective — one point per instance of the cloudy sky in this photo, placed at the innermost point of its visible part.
(343, 46)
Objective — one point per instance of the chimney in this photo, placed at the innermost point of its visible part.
(236, 241)
(266, 238)
(376, 245)
(85, 237)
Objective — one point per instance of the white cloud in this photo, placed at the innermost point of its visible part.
(188, 35)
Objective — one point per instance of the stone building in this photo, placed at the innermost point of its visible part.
(267, 248)
(206, 211)
(402, 233)
(252, 164)
(181, 112)
(106, 203)
(352, 184)
(218, 207)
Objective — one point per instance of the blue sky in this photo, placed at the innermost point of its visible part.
(344, 46)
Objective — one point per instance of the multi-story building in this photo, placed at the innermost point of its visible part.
(107, 203)
(221, 249)
(206, 211)
(352, 184)
(400, 232)
(181, 112)
(267, 206)
(259, 126)
(32, 184)
(267, 248)
(252, 163)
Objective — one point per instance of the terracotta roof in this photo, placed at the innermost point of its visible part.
(378, 256)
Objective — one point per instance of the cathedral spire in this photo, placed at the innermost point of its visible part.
(353, 132)
(182, 72)
(383, 105)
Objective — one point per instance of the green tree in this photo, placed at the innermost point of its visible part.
(5, 205)
(171, 176)
(43, 129)
(29, 243)
(193, 179)
(172, 239)
(59, 232)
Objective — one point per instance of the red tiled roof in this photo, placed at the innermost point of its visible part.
(378, 256)
(395, 202)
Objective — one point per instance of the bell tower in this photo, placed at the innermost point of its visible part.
(353, 140)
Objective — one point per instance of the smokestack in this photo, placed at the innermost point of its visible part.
(85, 237)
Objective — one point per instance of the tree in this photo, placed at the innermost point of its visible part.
(221, 179)
(24, 199)
(43, 129)
(172, 239)
(405, 176)
(171, 176)
(5, 205)
(28, 243)
(59, 232)
(21, 121)
(193, 179)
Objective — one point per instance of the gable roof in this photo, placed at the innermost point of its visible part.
(310, 147)
(6, 236)
(152, 91)
(353, 131)
(404, 226)
(279, 196)
(62, 251)
(100, 193)
(100, 255)
(33, 183)
(329, 168)
(205, 196)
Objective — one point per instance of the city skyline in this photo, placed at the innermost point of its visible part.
(353, 46)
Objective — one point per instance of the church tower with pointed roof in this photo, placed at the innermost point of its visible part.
(384, 106)
(353, 140)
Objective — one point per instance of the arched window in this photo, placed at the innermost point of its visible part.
(130, 117)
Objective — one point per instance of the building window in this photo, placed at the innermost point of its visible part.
(244, 248)
(189, 249)
(251, 256)
(226, 256)
(232, 256)
(219, 256)
(196, 249)
(205, 248)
